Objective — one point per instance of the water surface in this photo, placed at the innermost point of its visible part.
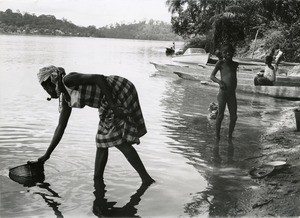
(177, 150)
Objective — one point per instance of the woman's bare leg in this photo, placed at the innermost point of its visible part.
(135, 161)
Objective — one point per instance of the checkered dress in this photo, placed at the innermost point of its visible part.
(112, 130)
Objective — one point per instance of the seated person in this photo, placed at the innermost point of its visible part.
(269, 76)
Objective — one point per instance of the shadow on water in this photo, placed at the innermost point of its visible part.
(103, 207)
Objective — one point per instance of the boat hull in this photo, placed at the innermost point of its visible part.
(192, 58)
(285, 87)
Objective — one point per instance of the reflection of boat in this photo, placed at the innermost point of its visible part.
(192, 56)
(285, 86)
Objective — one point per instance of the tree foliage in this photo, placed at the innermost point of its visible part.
(153, 30)
(238, 21)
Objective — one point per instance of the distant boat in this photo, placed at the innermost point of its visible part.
(170, 51)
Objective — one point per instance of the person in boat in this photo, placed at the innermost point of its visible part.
(276, 53)
(121, 120)
(171, 50)
(227, 91)
(268, 77)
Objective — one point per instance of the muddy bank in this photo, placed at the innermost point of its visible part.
(279, 192)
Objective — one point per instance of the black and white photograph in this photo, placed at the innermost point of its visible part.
(149, 108)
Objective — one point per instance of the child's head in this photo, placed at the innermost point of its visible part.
(269, 59)
(228, 51)
(218, 54)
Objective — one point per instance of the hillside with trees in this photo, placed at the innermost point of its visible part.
(213, 22)
(18, 23)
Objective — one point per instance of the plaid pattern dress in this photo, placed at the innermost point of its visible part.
(112, 130)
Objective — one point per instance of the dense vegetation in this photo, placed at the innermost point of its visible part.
(239, 22)
(17, 23)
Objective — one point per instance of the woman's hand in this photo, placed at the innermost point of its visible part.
(43, 158)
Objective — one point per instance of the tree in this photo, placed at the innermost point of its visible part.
(221, 20)
(285, 11)
(235, 21)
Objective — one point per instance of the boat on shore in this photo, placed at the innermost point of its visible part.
(285, 86)
(281, 89)
(192, 56)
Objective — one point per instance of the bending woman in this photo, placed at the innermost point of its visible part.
(121, 120)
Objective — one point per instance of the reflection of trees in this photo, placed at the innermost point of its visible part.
(186, 119)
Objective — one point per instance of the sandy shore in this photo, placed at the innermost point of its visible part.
(279, 192)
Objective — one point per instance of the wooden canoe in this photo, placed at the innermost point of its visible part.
(285, 86)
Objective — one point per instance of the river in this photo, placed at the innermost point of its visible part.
(177, 150)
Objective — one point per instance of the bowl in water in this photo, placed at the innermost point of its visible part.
(28, 174)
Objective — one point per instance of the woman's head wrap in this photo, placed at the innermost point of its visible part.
(46, 72)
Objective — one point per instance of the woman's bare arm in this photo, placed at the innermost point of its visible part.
(59, 131)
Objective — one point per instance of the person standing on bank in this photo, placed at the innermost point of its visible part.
(121, 120)
(227, 92)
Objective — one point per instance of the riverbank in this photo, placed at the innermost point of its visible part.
(279, 192)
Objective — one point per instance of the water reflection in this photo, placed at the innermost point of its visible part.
(50, 198)
(103, 207)
(38, 181)
(217, 160)
(230, 152)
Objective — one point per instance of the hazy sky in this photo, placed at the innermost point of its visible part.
(93, 12)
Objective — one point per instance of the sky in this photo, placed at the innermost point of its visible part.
(93, 12)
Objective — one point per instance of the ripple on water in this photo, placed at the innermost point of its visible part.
(177, 150)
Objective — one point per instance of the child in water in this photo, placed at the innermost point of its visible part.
(227, 92)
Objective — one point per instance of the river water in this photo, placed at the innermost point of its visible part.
(177, 150)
